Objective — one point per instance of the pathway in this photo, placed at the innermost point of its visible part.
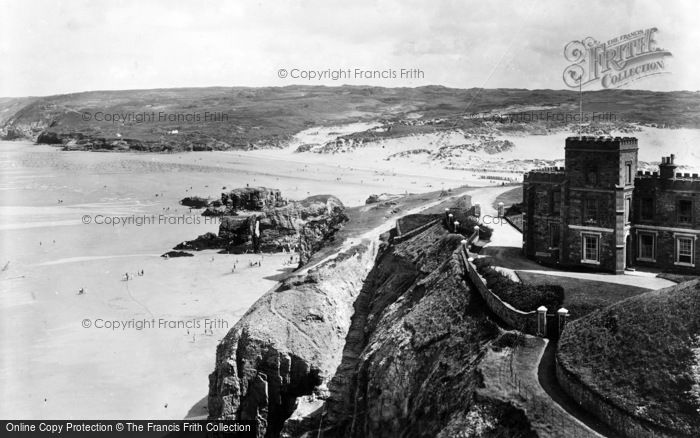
(511, 375)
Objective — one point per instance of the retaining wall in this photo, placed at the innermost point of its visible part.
(517, 319)
(413, 232)
(618, 419)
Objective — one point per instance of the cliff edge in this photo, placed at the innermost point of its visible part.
(384, 340)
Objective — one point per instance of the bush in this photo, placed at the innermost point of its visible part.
(507, 340)
(485, 232)
(482, 262)
(524, 297)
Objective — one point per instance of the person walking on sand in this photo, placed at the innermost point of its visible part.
(81, 291)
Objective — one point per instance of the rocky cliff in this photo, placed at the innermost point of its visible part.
(288, 343)
(275, 224)
(365, 346)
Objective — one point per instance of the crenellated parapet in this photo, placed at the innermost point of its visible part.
(604, 143)
(680, 181)
(546, 174)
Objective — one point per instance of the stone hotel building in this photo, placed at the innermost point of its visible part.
(598, 212)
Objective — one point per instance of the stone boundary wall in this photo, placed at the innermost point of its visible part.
(517, 319)
(400, 238)
(619, 420)
(512, 224)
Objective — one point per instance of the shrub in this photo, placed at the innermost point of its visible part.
(525, 297)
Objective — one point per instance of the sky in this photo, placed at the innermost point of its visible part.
(54, 47)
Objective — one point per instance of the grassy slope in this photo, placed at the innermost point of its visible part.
(582, 297)
(510, 197)
(638, 353)
(270, 115)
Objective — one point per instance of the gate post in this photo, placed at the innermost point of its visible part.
(562, 316)
(542, 321)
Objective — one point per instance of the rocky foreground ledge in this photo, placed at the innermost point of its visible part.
(383, 340)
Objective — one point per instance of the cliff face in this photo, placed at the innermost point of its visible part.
(288, 343)
(393, 355)
(410, 359)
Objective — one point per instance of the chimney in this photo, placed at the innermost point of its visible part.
(667, 169)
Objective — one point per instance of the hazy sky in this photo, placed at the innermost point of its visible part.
(51, 47)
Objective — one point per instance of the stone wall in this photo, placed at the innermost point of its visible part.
(622, 422)
(523, 321)
(400, 237)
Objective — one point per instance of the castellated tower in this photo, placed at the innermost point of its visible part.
(596, 212)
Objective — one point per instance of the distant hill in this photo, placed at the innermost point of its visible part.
(643, 355)
(242, 118)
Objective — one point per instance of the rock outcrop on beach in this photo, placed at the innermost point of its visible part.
(266, 222)
(365, 346)
(195, 202)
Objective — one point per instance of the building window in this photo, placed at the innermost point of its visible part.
(555, 202)
(647, 246)
(554, 235)
(647, 208)
(628, 173)
(628, 210)
(685, 249)
(590, 250)
(685, 211)
(592, 175)
(590, 210)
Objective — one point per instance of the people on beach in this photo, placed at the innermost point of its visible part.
(81, 291)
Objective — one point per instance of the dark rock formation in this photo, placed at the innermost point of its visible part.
(253, 199)
(195, 202)
(205, 241)
(170, 254)
(217, 211)
(365, 346)
(47, 137)
(302, 225)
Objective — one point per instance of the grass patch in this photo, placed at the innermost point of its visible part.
(514, 196)
(638, 354)
(582, 297)
(677, 278)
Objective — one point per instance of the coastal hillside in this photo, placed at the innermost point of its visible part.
(221, 118)
(643, 356)
(383, 340)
